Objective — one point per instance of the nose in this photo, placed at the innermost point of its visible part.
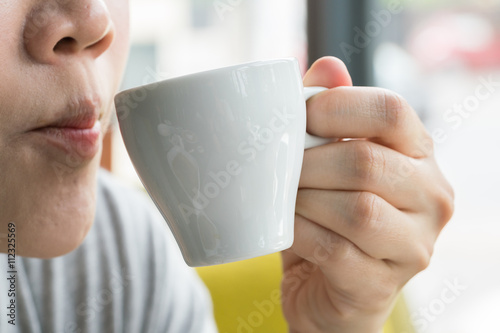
(56, 30)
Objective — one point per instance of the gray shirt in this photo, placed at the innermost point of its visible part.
(127, 276)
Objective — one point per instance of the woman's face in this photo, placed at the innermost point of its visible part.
(60, 65)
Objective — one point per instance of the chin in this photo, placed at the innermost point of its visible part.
(65, 226)
(51, 245)
(55, 213)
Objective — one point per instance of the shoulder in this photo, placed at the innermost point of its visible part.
(149, 258)
(120, 202)
(128, 213)
(127, 218)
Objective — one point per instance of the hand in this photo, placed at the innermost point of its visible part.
(368, 210)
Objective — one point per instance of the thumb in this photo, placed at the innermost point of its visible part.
(329, 72)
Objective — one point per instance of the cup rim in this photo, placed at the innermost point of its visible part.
(209, 71)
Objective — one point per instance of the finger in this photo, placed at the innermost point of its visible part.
(374, 113)
(369, 222)
(367, 166)
(344, 265)
(321, 246)
(328, 72)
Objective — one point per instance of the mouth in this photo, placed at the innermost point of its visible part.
(75, 132)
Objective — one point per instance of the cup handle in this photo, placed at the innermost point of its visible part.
(311, 140)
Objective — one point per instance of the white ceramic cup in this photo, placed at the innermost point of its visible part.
(220, 153)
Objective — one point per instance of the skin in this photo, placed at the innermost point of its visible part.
(368, 211)
(49, 194)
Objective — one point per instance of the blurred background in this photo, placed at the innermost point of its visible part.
(443, 56)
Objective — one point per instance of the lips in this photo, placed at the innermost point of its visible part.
(75, 132)
(84, 119)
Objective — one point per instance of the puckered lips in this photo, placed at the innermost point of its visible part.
(75, 132)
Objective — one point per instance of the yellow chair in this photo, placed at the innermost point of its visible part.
(246, 298)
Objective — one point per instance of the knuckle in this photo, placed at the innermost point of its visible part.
(428, 144)
(368, 162)
(333, 250)
(445, 205)
(336, 249)
(424, 145)
(423, 257)
(366, 211)
(394, 109)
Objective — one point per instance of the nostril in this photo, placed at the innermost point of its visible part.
(65, 45)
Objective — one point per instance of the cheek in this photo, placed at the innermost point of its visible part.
(117, 55)
(111, 64)
(11, 20)
(119, 10)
